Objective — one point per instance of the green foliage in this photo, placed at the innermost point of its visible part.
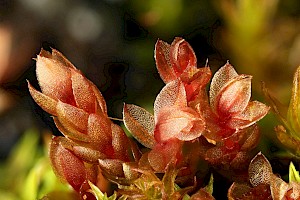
(293, 174)
(27, 173)
(99, 195)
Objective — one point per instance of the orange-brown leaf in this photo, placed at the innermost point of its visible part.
(87, 154)
(69, 131)
(99, 130)
(83, 93)
(182, 56)
(54, 78)
(254, 112)
(163, 153)
(120, 143)
(101, 107)
(163, 62)
(140, 123)
(113, 167)
(71, 116)
(45, 102)
(260, 170)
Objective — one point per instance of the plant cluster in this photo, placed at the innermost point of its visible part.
(192, 125)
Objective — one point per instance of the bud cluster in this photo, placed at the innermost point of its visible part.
(189, 124)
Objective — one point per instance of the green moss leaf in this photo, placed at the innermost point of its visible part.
(99, 195)
(293, 174)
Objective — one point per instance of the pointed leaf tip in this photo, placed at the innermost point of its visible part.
(220, 78)
(182, 56)
(163, 61)
(140, 123)
(45, 102)
(260, 170)
(293, 174)
(234, 96)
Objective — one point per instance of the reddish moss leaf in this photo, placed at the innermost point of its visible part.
(66, 165)
(173, 94)
(163, 61)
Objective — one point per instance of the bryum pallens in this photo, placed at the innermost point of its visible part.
(189, 124)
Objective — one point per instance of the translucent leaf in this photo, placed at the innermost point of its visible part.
(252, 136)
(234, 96)
(66, 165)
(169, 179)
(130, 171)
(293, 174)
(163, 62)
(45, 102)
(260, 170)
(278, 187)
(294, 108)
(287, 140)
(87, 154)
(120, 143)
(83, 93)
(56, 55)
(54, 78)
(99, 130)
(112, 167)
(162, 154)
(182, 123)
(194, 80)
(279, 109)
(210, 186)
(100, 99)
(140, 123)
(220, 78)
(254, 112)
(173, 94)
(203, 195)
(245, 192)
(237, 191)
(69, 115)
(182, 56)
(70, 132)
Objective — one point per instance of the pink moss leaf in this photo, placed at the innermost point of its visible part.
(173, 94)
(234, 96)
(220, 78)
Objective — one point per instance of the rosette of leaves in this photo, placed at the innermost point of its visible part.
(184, 112)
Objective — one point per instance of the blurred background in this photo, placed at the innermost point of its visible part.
(112, 43)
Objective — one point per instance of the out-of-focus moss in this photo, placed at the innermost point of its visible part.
(27, 173)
